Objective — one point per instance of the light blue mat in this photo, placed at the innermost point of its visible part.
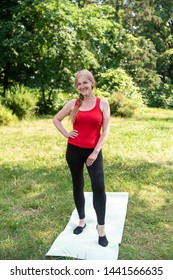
(85, 246)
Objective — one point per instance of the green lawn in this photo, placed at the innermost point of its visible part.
(35, 187)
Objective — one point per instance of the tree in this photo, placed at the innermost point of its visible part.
(7, 29)
(152, 19)
(151, 23)
(43, 43)
(83, 3)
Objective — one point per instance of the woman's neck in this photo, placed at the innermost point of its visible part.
(89, 98)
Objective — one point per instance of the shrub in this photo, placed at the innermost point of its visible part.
(6, 116)
(61, 98)
(53, 101)
(102, 94)
(21, 101)
(121, 105)
(117, 80)
(162, 98)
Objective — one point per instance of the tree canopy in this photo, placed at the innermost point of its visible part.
(43, 43)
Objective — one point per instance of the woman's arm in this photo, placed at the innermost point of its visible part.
(57, 120)
(105, 131)
(105, 125)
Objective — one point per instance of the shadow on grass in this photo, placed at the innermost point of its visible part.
(139, 173)
(37, 203)
(157, 119)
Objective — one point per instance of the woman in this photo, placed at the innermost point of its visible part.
(90, 116)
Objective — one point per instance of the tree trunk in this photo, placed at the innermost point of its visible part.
(6, 78)
(117, 10)
(44, 101)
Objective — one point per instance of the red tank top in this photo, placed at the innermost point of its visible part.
(88, 124)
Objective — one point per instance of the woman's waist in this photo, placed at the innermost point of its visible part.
(85, 140)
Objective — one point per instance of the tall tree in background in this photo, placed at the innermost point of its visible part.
(153, 19)
(118, 6)
(8, 55)
(82, 3)
(164, 38)
(43, 43)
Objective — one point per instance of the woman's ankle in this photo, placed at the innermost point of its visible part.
(82, 222)
(101, 230)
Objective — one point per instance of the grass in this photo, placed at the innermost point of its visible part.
(35, 188)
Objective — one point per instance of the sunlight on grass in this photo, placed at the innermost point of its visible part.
(8, 244)
(154, 197)
(45, 235)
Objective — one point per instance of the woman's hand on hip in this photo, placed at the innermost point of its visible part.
(72, 134)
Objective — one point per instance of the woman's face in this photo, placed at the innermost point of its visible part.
(84, 86)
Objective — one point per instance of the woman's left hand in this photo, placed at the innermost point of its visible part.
(92, 157)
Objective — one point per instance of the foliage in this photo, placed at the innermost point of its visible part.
(117, 80)
(140, 62)
(152, 20)
(122, 106)
(162, 98)
(60, 99)
(44, 43)
(6, 116)
(101, 93)
(54, 101)
(21, 101)
(164, 65)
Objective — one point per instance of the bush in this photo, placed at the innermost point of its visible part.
(162, 98)
(121, 105)
(6, 116)
(21, 101)
(53, 101)
(61, 98)
(102, 94)
(117, 80)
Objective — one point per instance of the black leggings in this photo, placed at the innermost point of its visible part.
(76, 158)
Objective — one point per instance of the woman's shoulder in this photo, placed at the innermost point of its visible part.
(104, 101)
(104, 104)
(71, 103)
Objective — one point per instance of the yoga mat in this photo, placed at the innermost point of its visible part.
(85, 245)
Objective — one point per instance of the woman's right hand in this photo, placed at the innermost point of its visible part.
(72, 134)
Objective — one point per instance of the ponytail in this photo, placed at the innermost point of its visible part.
(75, 110)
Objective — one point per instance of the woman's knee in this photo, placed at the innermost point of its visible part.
(98, 189)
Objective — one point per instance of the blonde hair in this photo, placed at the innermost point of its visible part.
(90, 77)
